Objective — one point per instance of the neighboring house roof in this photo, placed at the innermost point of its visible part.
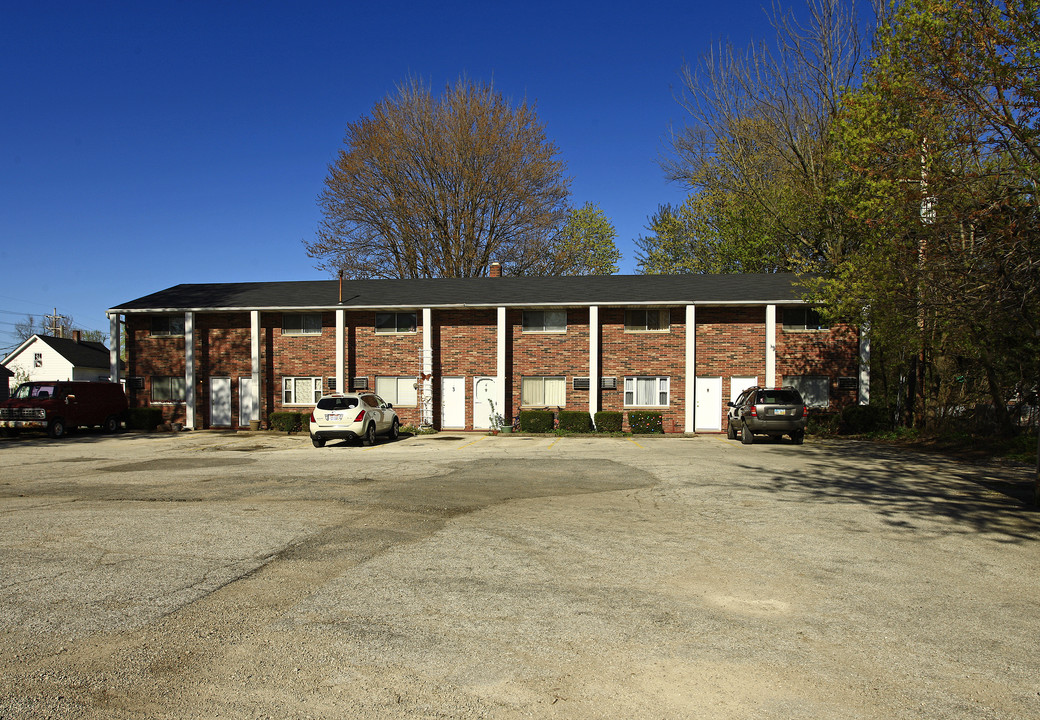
(605, 290)
(83, 353)
(5, 373)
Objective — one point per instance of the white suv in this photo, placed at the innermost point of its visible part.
(351, 416)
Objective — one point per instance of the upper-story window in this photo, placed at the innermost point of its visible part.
(549, 321)
(166, 325)
(803, 318)
(396, 322)
(647, 320)
(301, 323)
(38, 360)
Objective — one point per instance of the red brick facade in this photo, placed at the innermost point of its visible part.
(730, 342)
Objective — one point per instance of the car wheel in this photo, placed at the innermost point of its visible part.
(731, 430)
(318, 442)
(111, 424)
(57, 429)
(799, 437)
(395, 429)
(746, 436)
(370, 435)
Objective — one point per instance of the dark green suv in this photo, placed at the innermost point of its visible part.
(768, 411)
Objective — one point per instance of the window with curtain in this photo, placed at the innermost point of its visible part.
(543, 391)
(301, 390)
(400, 391)
(646, 391)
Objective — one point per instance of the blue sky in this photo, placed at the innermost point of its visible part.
(147, 144)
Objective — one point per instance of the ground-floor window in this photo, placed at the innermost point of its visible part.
(399, 391)
(301, 390)
(646, 391)
(815, 389)
(543, 391)
(168, 389)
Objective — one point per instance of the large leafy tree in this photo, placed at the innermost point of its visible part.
(440, 186)
(585, 245)
(940, 157)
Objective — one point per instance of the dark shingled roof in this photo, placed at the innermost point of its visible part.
(81, 354)
(604, 290)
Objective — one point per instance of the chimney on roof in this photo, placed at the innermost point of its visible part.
(496, 269)
(77, 335)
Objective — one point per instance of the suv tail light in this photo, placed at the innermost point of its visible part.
(805, 411)
(360, 416)
(754, 411)
(312, 417)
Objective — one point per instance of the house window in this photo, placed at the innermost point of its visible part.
(395, 322)
(647, 320)
(37, 359)
(815, 389)
(550, 321)
(802, 318)
(543, 391)
(167, 325)
(301, 390)
(646, 391)
(400, 391)
(301, 323)
(168, 389)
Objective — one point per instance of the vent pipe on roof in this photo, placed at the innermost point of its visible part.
(341, 286)
(496, 269)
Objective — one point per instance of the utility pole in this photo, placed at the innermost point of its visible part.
(56, 328)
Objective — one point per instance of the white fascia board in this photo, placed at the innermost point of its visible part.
(19, 350)
(463, 306)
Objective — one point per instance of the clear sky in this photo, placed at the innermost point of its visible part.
(148, 144)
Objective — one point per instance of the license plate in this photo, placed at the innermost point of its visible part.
(333, 417)
(781, 411)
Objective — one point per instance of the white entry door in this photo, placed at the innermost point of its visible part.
(220, 402)
(247, 410)
(708, 415)
(453, 402)
(483, 400)
(738, 385)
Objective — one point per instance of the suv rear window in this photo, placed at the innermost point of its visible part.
(337, 403)
(778, 397)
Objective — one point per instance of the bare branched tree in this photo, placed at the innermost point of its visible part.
(440, 187)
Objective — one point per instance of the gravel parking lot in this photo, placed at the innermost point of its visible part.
(240, 575)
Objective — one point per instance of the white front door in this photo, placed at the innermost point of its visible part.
(483, 402)
(453, 402)
(708, 413)
(739, 384)
(246, 409)
(220, 402)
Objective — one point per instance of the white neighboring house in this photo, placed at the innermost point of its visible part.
(43, 357)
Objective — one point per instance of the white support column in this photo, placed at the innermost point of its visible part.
(254, 358)
(113, 347)
(594, 370)
(426, 411)
(864, 364)
(341, 333)
(689, 422)
(502, 377)
(770, 345)
(189, 370)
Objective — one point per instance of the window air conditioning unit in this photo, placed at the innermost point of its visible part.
(359, 383)
(581, 383)
(608, 383)
(330, 383)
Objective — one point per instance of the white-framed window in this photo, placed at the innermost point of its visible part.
(399, 391)
(548, 391)
(301, 323)
(167, 325)
(803, 318)
(38, 360)
(301, 390)
(646, 391)
(396, 322)
(545, 321)
(168, 389)
(647, 320)
(814, 389)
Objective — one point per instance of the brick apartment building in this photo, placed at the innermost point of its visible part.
(447, 351)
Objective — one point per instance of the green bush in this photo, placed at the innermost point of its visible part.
(287, 421)
(575, 421)
(609, 421)
(822, 422)
(536, 421)
(143, 418)
(860, 419)
(644, 422)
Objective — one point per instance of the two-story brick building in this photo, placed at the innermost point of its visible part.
(447, 351)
